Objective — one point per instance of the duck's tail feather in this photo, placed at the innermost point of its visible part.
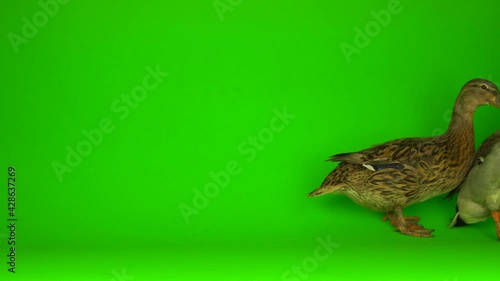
(324, 189)
(457, 221)
(347, 157)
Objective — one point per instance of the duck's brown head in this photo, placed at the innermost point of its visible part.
(481, 92)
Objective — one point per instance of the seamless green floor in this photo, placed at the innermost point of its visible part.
(177, 140)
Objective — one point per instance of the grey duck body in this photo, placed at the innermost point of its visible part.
(479, 194)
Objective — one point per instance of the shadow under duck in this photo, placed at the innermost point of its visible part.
(393, 175)
(479, 194)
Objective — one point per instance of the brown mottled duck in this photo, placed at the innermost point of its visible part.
(393, 175)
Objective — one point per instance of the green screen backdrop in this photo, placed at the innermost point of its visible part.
(177, 140)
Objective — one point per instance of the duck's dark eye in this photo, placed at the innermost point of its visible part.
(483, 87)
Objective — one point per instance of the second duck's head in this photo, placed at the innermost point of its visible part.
(480, 92)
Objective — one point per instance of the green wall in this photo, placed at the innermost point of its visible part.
(177, 140)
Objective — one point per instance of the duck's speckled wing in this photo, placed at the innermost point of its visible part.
(397, 154)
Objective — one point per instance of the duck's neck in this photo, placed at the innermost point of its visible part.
(460, 133)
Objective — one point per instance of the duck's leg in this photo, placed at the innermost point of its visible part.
(409, 220)
(407, 225)
(496, 218)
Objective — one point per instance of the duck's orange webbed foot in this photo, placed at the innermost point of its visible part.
(496, 218)
(407, 225)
